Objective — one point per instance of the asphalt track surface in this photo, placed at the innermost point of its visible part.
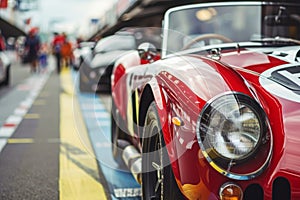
(55, 142)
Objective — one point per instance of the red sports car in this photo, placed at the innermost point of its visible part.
(218, 115)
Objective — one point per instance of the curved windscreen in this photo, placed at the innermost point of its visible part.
(208, 24)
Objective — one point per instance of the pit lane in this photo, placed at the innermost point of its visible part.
(34, 144)
(96, 113)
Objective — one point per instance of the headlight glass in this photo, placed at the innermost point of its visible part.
(231, 130)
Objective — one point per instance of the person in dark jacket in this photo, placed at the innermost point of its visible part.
(56, 44)
(32, 46)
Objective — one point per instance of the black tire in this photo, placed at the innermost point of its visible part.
(7, 78)
(154, 151)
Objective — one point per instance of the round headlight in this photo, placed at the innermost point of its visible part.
(231, 129)
(234, 128)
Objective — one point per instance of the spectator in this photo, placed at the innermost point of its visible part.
(66, 52)
(32, 46)
(56, 44)
(43, 58)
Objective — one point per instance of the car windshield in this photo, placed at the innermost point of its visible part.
(115, 42)
(210, 24)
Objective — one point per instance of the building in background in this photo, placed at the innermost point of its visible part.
(77, 18)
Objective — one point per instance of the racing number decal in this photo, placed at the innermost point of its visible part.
(283, 81)
(288, 77)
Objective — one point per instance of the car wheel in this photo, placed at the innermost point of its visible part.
(7, 77)
(158, 181)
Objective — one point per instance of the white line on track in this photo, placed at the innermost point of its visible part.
(34, 85)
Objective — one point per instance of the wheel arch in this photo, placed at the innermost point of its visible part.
(152, 92)
(155, 93)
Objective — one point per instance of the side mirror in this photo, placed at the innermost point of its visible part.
(147, 52)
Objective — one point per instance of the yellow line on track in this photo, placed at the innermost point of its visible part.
(78, 170)
(32, 116)
(20, 141)
(39, 102)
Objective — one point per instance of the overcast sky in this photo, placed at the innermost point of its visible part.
(69, 14)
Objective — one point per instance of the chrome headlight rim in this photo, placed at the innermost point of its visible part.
(230, 166)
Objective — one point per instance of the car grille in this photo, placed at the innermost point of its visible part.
(281, 190)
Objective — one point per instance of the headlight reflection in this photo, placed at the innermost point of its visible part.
(232, 129)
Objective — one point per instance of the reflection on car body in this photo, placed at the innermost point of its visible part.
(218, 116)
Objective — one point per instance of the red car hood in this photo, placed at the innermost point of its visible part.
(271, 73)
(277, 73)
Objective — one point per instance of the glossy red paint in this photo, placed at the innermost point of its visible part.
(130, 60)
(180, 95)
(182, 85)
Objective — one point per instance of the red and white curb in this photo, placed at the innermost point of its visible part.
(33, 85)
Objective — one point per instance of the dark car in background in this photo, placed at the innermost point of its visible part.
(96, 68)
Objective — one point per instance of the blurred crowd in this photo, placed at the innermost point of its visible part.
(63, 50)
(31, 50)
